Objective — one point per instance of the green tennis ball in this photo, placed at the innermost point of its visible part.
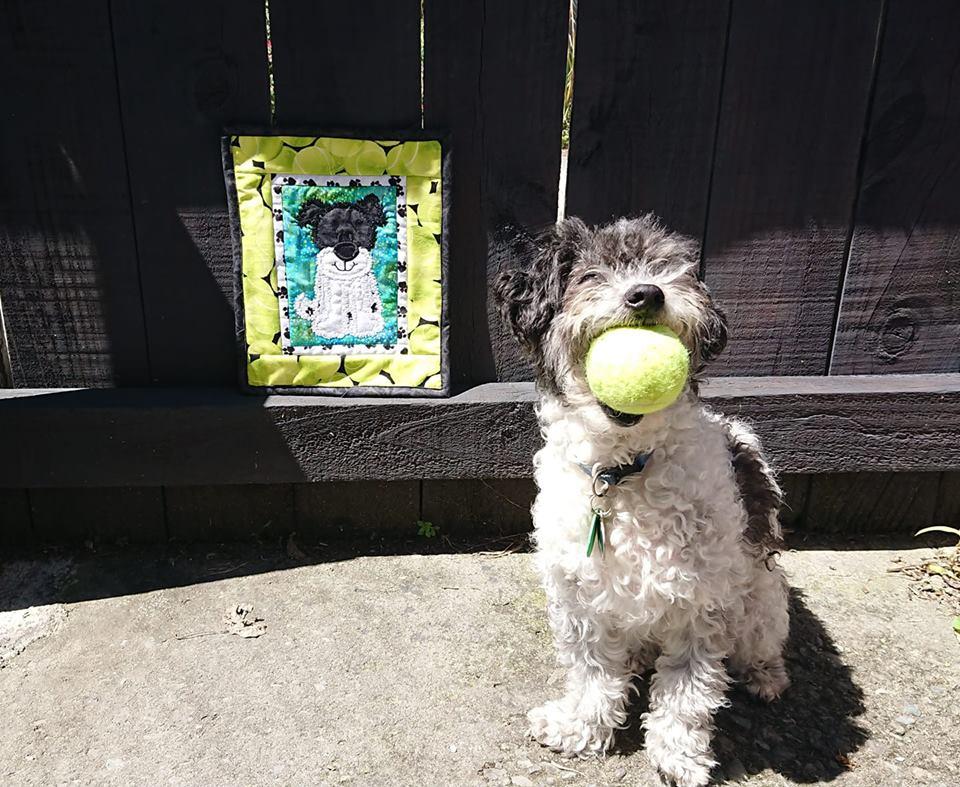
(637, 370)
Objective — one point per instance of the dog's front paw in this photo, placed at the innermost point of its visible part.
(554, 726)
(682, 758)
(769, 681)
(683, 770)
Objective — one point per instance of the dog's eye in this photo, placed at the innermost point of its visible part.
(588, 276)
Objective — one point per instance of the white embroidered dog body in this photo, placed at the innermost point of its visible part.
(346, 300)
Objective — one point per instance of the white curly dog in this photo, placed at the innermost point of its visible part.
(687, 581)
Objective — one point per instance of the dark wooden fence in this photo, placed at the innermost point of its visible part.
(813, 147)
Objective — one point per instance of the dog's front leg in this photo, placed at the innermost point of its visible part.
(595, 656)
(689, 685)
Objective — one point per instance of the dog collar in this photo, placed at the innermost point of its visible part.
(614, 475)
(601, 479)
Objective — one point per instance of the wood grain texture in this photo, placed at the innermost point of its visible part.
(186, 70)
(229, 513)
(177, 437)
(352, 510)
(900, 310)
(6, 378)
(493, 76)
(484, 507)
(125, 514)
(796, 490)
(795, 94)
(646, 97)
(349, 65)
(68, 265)
(852, 503)
(948, 501)
(219, 437)
(472, 512)
(16, 527)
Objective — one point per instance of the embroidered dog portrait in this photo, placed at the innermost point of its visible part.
(340, 269)
(340, 256)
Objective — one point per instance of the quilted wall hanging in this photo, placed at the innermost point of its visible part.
(340, 255)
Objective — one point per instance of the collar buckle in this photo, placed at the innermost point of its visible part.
(602, 478)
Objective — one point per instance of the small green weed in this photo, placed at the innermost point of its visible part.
(426, 529)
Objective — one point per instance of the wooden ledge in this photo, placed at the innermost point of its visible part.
(203, 436)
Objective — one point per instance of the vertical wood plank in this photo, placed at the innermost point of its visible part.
(900, 311)
(229, 513)
(110, 514)
(645, 104)
(347, 65)
(186, 70)
(68, 264)
(6, 378)
(493, 76)
(356, 510)
(796, 489)
(864, 503)
(16, 527)
(485, 508)
(795, 93)
(948, 500)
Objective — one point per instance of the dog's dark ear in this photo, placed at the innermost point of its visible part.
(710, 335)
(531, 293)
(372, 209)
(311, 212)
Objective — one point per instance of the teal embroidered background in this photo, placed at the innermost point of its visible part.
(300, 256)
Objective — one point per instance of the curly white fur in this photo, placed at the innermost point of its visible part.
(346, 301)
(686, 584)
(676, 584)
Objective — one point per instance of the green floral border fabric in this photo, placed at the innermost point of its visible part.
(417, 362)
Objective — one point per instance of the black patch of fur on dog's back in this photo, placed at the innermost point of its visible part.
(759, 491)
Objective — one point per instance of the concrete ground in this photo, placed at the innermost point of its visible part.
(255, 665)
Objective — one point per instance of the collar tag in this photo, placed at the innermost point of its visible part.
(601, 480)
(596, 532)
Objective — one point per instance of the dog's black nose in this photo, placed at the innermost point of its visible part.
(648, 297)
(346, 251)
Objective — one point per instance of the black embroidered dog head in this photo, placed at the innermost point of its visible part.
(346, 227)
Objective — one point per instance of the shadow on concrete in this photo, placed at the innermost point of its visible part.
(34, 577)
(101, 570)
